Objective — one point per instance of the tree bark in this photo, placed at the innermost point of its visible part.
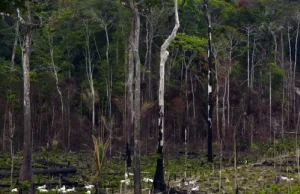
(129, 96)
(159, 183)
(26, 169)
(137, 101)
(209, 85)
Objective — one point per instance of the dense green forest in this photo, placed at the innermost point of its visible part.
(86, 75)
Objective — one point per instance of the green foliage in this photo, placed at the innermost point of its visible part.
(9, 6)
(25, 185)
(33, 77)
(236, 70)
(190, 43)
(277, 74)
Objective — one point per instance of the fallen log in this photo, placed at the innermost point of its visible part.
(49, 163)
(51, 171)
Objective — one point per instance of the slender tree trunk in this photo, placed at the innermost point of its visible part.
(248, 57)
(11, 136)
(89, 71)
(295, 65)
(109, 84)
(159, 183)
(193, 95)
(69, 118)
(235, 161)
(223, 110)
(252, 63)
(4, 129)
(15, 45)
(149, 42)
(289, 82)
(283, 89)
(54, 71)
(217, 101)
(282, 112)
(209, 85)
(270, 104)
(270, 87)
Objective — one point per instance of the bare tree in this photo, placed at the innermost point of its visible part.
(159, 183)
(209, 83)
(249, 30)
(26, 168)
(129, 89)
(137, 99)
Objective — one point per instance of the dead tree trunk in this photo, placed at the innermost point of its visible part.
(137, 100)
(129, 96)
(26, 169)
(209, 85)
(159, 183)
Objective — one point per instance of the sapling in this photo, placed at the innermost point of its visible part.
(100, 148)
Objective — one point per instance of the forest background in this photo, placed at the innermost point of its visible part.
(82, 78)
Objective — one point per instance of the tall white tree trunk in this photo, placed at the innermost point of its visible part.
(248, 30)
(158, 183)
(289, 79)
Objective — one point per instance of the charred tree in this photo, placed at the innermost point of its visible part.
(209, 85)
(159, 183)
